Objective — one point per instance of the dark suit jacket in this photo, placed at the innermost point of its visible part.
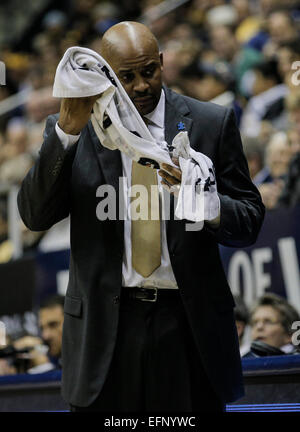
(64, 182)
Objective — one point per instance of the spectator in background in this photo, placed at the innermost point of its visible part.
(277, 159)
(287, 53)
(34, 354)
(293, 110)
(254, 152)
(15, 161)
(105, 14)
(212, 82)
(179, 52)
(32, 357)
(15, 140)
(267, 101)
(281, 28)
(248, 23)
(224, 43)
(267, 6)
(271, 322)
(278, 153)
(51, 318)
(160, 25)
(291, 190)
(54, 25)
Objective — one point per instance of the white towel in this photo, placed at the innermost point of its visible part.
(198, 199)
(118, 125)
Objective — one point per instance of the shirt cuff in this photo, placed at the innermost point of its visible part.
(66, 139)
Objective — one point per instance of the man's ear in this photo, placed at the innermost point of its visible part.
(161, 59)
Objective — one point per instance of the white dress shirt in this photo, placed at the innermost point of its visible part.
(163, 276)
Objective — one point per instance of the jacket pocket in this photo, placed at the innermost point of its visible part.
(73, 306)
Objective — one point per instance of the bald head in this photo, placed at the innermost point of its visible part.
(133, 53)
(128, 36)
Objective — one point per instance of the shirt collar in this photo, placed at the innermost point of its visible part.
(157, 116)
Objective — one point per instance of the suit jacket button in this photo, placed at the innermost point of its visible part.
(116, 299)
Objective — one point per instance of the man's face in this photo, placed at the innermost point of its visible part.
(266, 327)
(280, 27)
(279, 156)
(223, 42)
(140, 72)
(51, 324)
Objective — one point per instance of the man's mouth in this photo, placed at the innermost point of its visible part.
(143, 99)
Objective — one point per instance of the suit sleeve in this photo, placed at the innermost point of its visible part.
(44, 196)
(242, 210)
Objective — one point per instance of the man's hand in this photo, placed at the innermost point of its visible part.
(75, 113)
(35, 356)
(171, 180)
(171, 176)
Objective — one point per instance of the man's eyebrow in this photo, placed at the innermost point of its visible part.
(152, 62)
(124, 70)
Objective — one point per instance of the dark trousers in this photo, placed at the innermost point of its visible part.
(155, 366)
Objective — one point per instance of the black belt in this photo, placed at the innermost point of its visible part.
(150, 294)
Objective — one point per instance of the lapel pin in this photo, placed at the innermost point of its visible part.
(180, 126)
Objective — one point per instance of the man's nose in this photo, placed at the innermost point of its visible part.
(260, 325)
(46, 335)
(140, 85)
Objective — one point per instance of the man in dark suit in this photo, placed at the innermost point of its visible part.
(134, 341)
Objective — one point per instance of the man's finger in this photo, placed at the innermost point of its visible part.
(168, 178)
(175, 172)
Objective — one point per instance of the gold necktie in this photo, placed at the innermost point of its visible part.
(145, 234)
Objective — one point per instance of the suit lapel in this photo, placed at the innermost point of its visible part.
(176, 117)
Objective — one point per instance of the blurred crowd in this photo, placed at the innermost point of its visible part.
(243, 54)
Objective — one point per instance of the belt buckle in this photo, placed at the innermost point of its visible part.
(155, 295)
